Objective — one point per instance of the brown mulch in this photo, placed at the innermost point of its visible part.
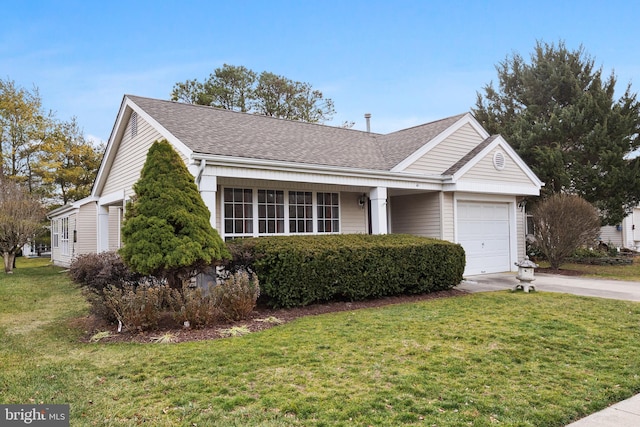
(255, 322)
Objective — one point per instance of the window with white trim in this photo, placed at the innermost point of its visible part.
(328, 213)
(55, 236)
(270, 211)
(300, 212)
(238, 212)
(261, 212)
(64, 236)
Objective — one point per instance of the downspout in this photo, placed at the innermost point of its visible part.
(203, 164)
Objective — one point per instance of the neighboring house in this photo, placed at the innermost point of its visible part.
(624, 235)
(259, 176)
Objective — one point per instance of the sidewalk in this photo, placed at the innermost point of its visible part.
(621, 414)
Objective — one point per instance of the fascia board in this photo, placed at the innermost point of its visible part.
(111, 149)
(499, 141)
(177, 144)
(126, 108)
(278, 166)
(466, 119)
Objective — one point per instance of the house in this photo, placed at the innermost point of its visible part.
(259, 176)
(625, 235)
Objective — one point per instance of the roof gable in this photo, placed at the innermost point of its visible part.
(439, 132)
(481, 151)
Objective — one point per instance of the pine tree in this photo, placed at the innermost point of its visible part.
(559, 113)
(166, 232)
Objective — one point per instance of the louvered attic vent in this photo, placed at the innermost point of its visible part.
(498, 160)
(134, 124)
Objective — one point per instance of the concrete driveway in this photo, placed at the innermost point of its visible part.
(622, 414)
(576, 285)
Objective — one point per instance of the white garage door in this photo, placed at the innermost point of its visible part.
(483, 232)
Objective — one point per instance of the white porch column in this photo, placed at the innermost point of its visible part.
(208, 191)
(103, 228)
(379, 220)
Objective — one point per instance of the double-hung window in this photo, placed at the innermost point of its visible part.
(238, 212)
(300, 212)
(270, 211)
(328, 213)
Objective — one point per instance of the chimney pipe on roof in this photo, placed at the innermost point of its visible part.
(367, 117)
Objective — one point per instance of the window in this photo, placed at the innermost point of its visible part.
(55, 233)
(276, 212)
(328, 213)
(270, 211)
(64, 236)
(300, 212)
(238, 211)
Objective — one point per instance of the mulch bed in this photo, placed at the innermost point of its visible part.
(255, 322)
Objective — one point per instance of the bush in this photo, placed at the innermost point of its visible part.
(563, 223)
(300, 270)
(95, 273)
(136, 307)
(237, 295)
(194, 305)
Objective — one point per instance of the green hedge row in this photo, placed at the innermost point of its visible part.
(300, 270)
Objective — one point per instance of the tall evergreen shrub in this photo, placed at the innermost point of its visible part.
(166, 232)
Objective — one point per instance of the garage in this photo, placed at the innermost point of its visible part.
(484, 233)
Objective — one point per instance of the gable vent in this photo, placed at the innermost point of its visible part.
(499, 160)
(134, 124)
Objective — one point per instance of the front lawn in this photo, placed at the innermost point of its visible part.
(618, 272)
(501, 358)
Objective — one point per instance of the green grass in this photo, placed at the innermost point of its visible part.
(512, 359)
(618, 272)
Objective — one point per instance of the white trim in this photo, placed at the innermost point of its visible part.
(493, 188)
(498, 142)
(491, 198)
(115, 139)
(314, 175)
(466, 119)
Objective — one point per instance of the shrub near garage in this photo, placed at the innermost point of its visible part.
(300, 270)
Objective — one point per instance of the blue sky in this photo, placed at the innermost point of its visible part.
(405, 62)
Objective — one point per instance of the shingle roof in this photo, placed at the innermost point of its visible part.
(469, 156)
(209, 130)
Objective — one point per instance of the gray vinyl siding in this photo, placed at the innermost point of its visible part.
(130, 158)
(115, 223)
(87, 234)
(417, 214)
(610, 235)
(353, 218)
(485, 170)
(448, 221)
(447, 152)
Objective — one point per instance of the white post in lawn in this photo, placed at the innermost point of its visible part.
(378, 198)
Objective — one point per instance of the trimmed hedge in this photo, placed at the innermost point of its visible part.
(300, 270)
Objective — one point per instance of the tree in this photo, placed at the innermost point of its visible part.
(20, 219)
(68, 163)
(166, 232)
(559, 113)
(23, 124)
(562, 223)
(239, 89)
